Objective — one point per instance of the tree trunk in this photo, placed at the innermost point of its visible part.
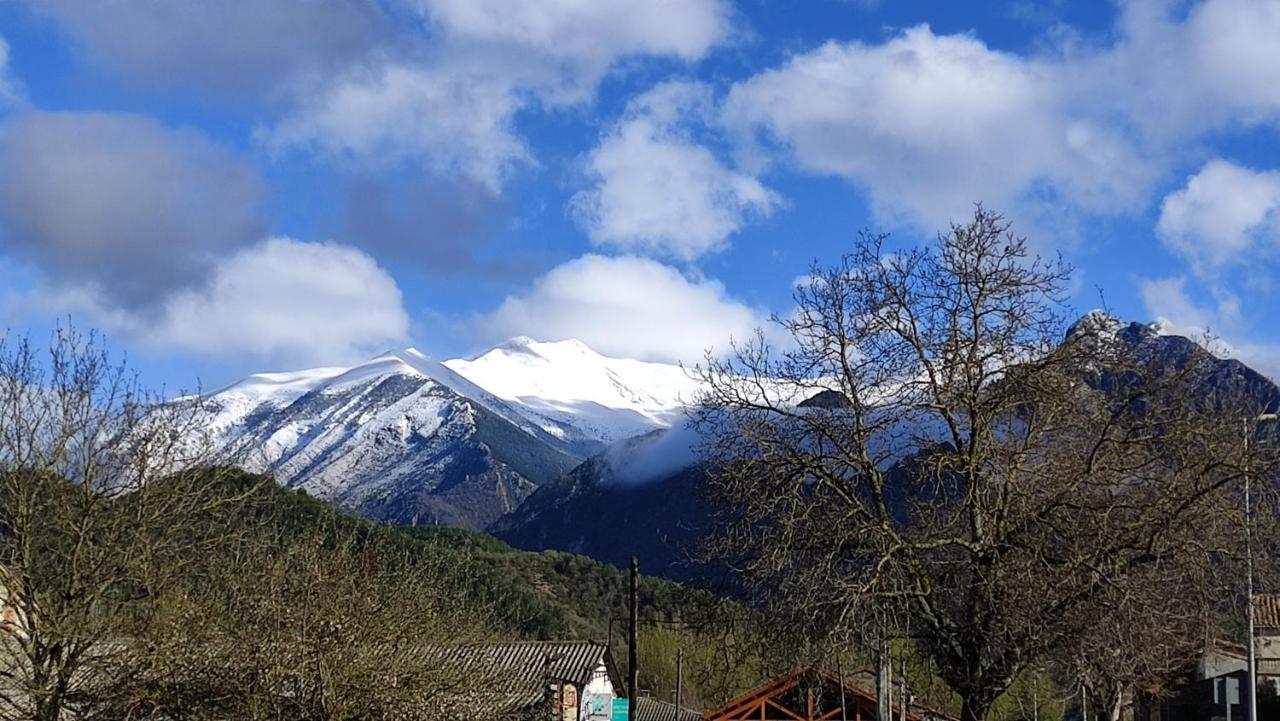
(1108, 703)
(974, 708)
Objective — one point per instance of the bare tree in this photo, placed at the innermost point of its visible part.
(962, 459)
(97, 484)
(327, 624)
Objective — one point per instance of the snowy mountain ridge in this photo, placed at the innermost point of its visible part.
(404, 438)
(608, 399)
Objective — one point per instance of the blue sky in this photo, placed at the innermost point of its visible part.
(239, 186)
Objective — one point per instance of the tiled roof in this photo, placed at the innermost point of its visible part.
(516, 674)
(1266, 610)
(652, 709)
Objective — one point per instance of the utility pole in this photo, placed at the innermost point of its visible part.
(679, 676)
(884, 683)
(633, 667)
(1248, 552)
(844, 714)
(906, 693)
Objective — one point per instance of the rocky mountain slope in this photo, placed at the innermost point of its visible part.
(646, 497)
(399, 438)
(406, 439)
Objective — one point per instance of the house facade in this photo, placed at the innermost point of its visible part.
(1266, 625)
(568, 680)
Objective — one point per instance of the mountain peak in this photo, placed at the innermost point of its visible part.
(1099, 322)
(516, 343)
(523, 344)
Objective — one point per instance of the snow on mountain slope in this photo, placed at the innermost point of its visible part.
(565, 386)
(398, 438)
(404, 438)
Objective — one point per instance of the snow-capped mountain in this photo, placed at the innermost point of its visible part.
(568, 388)
(404, 438)
(399, 438)
(654, 487)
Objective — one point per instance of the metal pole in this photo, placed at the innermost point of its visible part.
(1248, 552)
(883, 701)
(844, 715)
(888, 654)
(633, 667)
(902, 703)
(679, 675)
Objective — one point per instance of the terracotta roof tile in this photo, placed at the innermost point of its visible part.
(1266, 610)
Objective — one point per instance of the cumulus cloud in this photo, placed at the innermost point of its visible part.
(280, 299)
(1176, 76)
(928, 124)
(454, 107)
(456, 119)
(1224, 212)
(121, 202)
(658, 190)
(432, 80)
(626, 306)
(232, 48)
(580, 40)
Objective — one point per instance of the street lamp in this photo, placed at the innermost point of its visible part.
(1248, 550)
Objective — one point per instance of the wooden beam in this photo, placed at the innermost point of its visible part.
(784, 710)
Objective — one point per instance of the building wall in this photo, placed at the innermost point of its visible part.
(597, 696)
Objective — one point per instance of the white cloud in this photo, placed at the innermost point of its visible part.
(456, 119)
(1176, 77)
(931, 124)
(11, 93)
(437, 81)
(1224, 212)
(454, 104)
(1217, 325)
(1167, 300)
(587, 36)
(280, 300)
(928, 124)
(626, 306)
(120, 202)
(656, 189)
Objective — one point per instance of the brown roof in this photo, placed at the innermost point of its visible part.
(1266, 610)
(520, 671)
(858, 700)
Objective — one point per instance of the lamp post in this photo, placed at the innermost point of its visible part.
(1248, 550)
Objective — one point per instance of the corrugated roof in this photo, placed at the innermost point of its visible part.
(1266, 610)
(515, 675)
(652, 709)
